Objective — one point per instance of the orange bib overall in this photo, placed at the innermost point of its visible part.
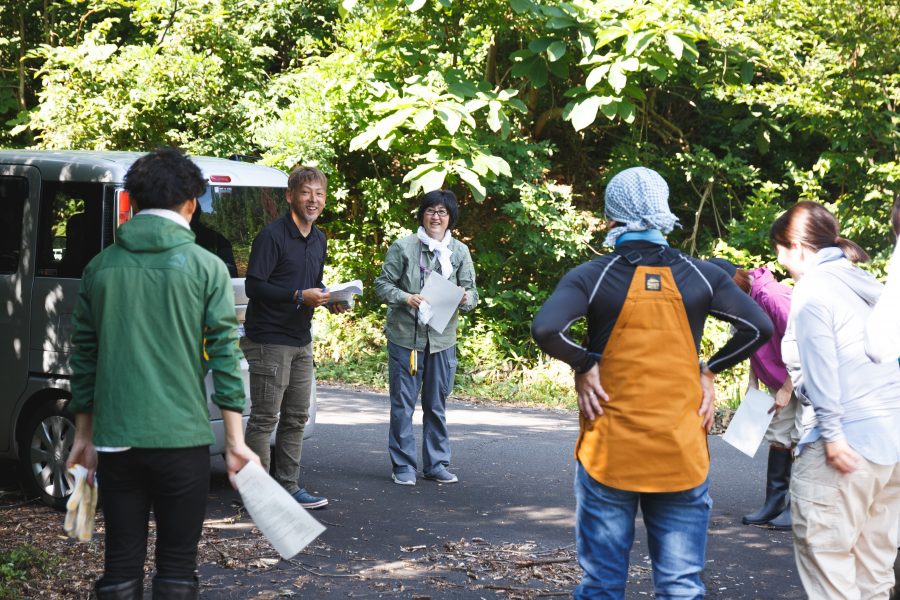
(649, 437)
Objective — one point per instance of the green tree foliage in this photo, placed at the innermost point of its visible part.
(523, 107)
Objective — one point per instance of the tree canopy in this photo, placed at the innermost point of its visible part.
(523, 107)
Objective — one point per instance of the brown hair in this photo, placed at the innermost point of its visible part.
(301, 175)
(743, 280)
(810, 224)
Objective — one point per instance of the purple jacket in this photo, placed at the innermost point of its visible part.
(775, 299)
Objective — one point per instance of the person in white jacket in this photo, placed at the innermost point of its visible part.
(845, 485)
(883, 326)
(883, 331)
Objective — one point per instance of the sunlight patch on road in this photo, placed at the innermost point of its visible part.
(546, 515)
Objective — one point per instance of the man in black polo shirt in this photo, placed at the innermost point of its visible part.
(284, 285)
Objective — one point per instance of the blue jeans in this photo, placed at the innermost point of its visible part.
(676, 525)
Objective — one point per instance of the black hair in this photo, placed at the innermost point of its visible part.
(444, 198)
(164, 178)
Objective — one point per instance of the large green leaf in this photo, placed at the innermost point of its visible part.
(538, 46)
(450, 118)
(676, 46)
(363, 140)
(584, 113)
(422, 118)
(609, 35)
(596, 76)
(556, 51)
(617, 79)
(534, 69)
(429, 181)
(637, 42)
(561, 23)
(473, 181)
(626, 111)
(522, 6)
(386, 125)
(462, 89)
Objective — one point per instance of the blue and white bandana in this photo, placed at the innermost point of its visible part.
(639, 198)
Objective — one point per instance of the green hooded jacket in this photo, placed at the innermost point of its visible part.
(155, 311)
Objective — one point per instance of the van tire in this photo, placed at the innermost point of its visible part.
(44, 445)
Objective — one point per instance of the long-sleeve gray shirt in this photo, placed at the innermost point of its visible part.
(853, 398)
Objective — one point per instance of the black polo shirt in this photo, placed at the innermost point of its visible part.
(282, 260)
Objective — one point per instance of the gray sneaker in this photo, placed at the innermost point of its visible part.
(404, 478)
(441, 475)
(308, 501)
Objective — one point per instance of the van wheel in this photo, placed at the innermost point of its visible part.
(44, 446)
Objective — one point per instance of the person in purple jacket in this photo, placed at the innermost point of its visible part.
(766, 366)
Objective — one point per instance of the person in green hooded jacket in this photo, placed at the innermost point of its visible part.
(154, 313)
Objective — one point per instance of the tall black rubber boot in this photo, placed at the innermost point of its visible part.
(778, 478)
(783, 521)
(176, 589)
(128, 590)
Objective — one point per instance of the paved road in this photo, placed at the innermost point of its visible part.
(514, 503)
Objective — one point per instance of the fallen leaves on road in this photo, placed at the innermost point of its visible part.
(522, 571)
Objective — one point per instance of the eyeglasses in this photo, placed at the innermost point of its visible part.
(441, 212)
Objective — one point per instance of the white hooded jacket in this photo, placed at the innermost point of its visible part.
(826, 357)
(883, 326)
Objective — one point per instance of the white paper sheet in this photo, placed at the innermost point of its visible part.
(750, 421)
(342, 293)
(443, 297)
(286, 524)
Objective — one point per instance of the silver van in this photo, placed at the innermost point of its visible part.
(57, 211)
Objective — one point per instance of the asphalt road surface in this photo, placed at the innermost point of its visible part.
(506, 530)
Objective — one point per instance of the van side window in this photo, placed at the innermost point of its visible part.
(13, 193)
(70, 227)
(228, 218)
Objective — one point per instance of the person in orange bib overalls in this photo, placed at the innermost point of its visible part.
(643, 430)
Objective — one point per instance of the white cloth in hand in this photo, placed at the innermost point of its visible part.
(425, 312)
(81, 507)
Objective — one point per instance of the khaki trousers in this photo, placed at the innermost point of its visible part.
(845, 527)
(784, 430)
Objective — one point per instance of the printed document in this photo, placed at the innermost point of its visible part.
(443, 299)
(286, 524)
(750, 421)
(342, 293)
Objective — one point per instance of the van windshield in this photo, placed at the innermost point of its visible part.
(229, 217)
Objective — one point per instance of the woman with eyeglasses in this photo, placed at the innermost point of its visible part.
(421, 359)
(845, 484)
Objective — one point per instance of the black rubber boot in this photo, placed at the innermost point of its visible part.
(176, 589)
(783, 521)
(778, 478)
(128, 590)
